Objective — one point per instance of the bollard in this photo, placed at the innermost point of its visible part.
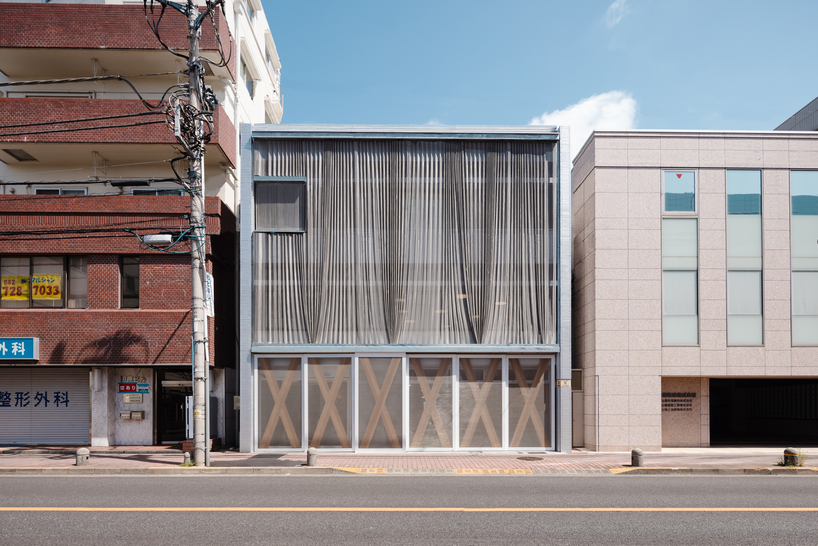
(312, 456)
(83, 456)
(790, 457)
(187, 458)
(637, 457)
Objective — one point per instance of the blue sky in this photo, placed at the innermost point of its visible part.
(648, 64)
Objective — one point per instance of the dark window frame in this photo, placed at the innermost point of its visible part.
(130, 301)
(293, 180)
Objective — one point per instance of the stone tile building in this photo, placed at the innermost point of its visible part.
(696, 288)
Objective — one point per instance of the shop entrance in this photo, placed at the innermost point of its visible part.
(764, 412)
(174, 386)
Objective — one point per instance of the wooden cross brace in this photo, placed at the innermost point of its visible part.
(530, 395)
(430, 410)
(380, 393)
(280, 401)
(480, 394)
(330, 394)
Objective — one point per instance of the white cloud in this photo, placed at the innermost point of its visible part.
(434, 122)
(614, 110)
(616, 12)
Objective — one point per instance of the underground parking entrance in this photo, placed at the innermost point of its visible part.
(763, 412)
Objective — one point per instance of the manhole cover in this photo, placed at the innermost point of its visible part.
(529, 458)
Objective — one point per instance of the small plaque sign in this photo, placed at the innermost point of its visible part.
(131, 398)
(564, 383)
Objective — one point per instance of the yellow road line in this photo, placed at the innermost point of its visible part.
(390, 509)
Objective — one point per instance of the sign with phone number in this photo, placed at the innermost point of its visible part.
(43, 287)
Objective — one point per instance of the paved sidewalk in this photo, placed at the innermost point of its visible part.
(148, 458)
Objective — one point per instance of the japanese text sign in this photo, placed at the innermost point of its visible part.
(19, 348)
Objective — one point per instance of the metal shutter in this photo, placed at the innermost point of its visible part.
(41, 423)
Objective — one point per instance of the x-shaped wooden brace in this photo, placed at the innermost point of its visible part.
(380, 412)
(430, 410)
(481, 394)
(529, 394)
(280, 399)
(330, 395)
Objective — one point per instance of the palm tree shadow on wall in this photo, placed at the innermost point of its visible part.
(123, 346)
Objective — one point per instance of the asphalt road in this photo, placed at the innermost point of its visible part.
(408, 510)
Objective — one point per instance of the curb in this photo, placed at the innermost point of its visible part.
(171, 471)
(772, 471)
(95, 453)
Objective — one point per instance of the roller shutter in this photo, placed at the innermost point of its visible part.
(45, 406)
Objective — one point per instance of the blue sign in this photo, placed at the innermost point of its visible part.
(19, 348)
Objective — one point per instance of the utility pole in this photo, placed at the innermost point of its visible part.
(189, 128)
(198, 249)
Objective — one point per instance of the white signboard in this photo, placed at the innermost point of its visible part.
(208, 299)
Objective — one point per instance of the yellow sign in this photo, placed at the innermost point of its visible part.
(14, 287)
(46, 287)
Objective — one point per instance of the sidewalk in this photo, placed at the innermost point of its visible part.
(151, 458)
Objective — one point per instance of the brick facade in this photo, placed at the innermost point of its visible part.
(92, 26)
(21, 111)
(159, 331)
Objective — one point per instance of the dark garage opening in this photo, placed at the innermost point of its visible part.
(764, 412)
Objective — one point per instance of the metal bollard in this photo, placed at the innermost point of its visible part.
(637, 457)
(791, 457)
(312, 456)
(83, 456)
(187, 458)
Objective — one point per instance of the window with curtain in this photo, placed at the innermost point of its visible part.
(408, 242)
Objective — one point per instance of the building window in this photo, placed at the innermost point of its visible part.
(680, 256)
(804, 252)
(156, 192)
(745, 323)
(43, 282)
(679, 191)
(60, 191)
(281, 205)
(129, 281)
(247, 77)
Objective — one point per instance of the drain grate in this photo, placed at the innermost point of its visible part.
(529, 458)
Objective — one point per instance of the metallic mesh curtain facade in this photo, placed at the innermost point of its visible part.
(410, 242)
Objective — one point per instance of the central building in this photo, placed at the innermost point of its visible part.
(405, 288)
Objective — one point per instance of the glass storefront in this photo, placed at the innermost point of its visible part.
(404, 402)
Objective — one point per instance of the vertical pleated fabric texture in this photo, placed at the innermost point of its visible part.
(409, 242)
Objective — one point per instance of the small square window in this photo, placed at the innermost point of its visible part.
(680, 191)
(281, 206)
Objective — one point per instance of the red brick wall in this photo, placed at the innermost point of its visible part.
(80, 26)
(156, 333)
(17, 111)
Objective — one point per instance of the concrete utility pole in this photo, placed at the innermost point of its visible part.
(198, 250)
(189, 128)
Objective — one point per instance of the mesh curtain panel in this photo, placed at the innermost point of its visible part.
(410, 242)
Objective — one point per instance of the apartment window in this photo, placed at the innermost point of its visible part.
(60, 191)
(247, 77)
(804, 252)
(680, 256)
(43, 282)
(745, 323)
(156, 192)
(679, 191)
(281, 205)
(129, 282)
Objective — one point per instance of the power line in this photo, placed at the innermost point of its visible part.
(78, 120)
(83, 128)
(82, 182)
(85, 79)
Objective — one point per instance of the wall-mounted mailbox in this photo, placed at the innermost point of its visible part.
(137, 415)
(125, 415)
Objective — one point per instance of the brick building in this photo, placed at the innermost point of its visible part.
(109, 315)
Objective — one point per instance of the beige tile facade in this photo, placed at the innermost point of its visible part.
(617, 181)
